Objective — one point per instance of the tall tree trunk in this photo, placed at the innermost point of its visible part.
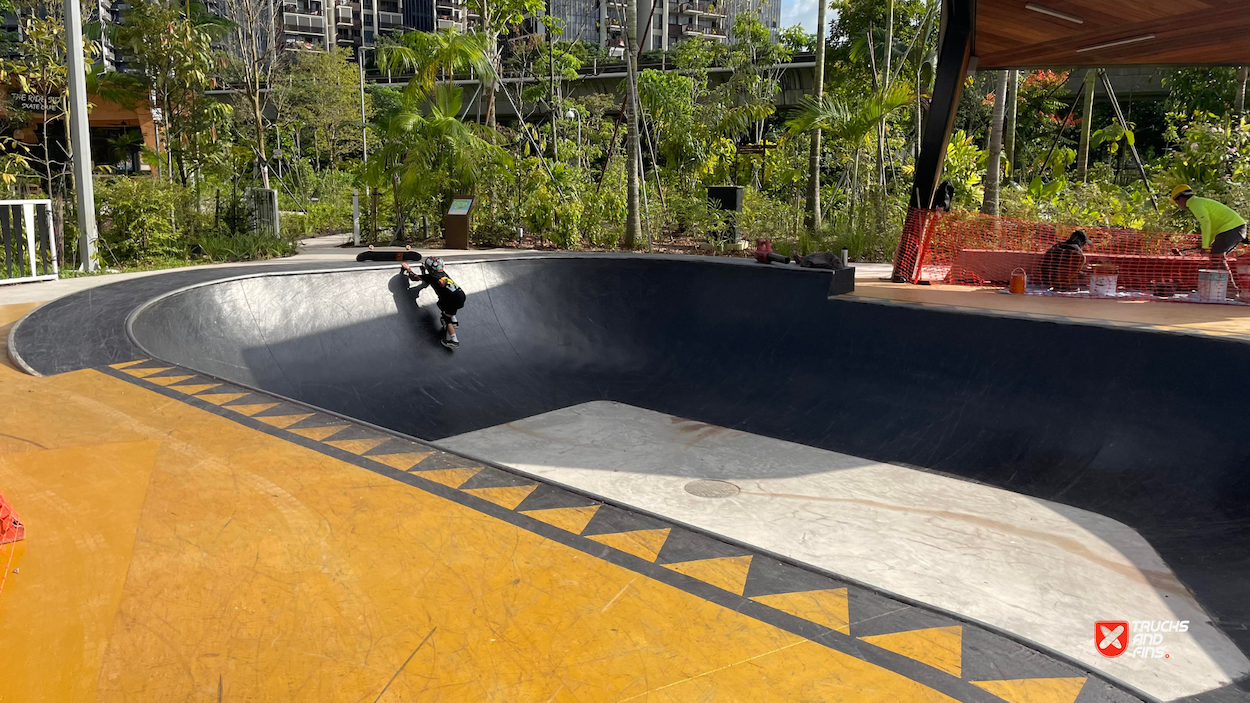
(169, 136)
(633, 228)
(1242, 75)
(492, 51)
(1087, 123)
(258, 115)
(400, 213)
(881, 122)
(1009, 128)
(553, 100)
(993, 170)
(818, 92)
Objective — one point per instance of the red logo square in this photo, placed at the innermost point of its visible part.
(1111, 637)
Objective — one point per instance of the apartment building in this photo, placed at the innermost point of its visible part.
(670, 22)
(318, 24)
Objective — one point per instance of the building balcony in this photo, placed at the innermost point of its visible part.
(388, 6)
(305, 43)
(300, 23)
(343, 16)
(386, 20)
(448, 24)
(699, 9)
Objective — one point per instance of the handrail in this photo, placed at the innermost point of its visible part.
(25, 230)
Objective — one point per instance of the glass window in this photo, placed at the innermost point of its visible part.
(368, 36)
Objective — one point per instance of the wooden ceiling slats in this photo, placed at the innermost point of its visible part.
(1193, 32)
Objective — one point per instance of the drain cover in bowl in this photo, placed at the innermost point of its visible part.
(705, 488)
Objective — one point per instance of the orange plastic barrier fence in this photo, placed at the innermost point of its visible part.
(11, 528)
(972, 249)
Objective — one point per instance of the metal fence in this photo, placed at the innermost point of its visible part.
(263, 210)
(26, 236)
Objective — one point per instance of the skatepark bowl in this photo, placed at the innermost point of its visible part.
(638, 478)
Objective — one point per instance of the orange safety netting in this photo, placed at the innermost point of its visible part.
(963, 248)
(11, 528)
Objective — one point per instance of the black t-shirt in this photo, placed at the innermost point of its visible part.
(442, 284)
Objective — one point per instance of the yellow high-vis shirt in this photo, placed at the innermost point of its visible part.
(1214, 218)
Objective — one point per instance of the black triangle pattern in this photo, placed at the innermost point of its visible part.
(985, 656)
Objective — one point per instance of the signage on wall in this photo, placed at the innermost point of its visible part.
(33, 102)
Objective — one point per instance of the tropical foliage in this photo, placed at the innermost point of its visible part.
(501, 113)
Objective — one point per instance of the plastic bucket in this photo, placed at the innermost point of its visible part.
(1103, 280)
(1212, 285)
(1019, 281)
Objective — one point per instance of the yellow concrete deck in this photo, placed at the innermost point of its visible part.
(174, 554)
(1223, 321)
(10, 314)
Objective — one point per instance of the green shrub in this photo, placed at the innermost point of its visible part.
(245, 246)
(139, 218)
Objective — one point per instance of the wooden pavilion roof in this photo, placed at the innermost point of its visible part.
(1096, 33)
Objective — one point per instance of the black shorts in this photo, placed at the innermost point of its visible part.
(451, 302)
(1225, 242)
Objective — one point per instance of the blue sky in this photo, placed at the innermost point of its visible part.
(799, 12)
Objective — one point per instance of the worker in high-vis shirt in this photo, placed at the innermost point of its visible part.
(1222, 228)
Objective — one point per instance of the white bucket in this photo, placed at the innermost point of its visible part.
(1212, 285)
(1102, 285)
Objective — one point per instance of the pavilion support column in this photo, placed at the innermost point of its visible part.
(954, 55)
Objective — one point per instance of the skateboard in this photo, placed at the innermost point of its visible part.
(405, 254)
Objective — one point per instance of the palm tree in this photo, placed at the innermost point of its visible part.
(428, 152)
(851, 123)
(125, 146)
(434, 56)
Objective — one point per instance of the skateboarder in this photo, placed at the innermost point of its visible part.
(451, 297)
